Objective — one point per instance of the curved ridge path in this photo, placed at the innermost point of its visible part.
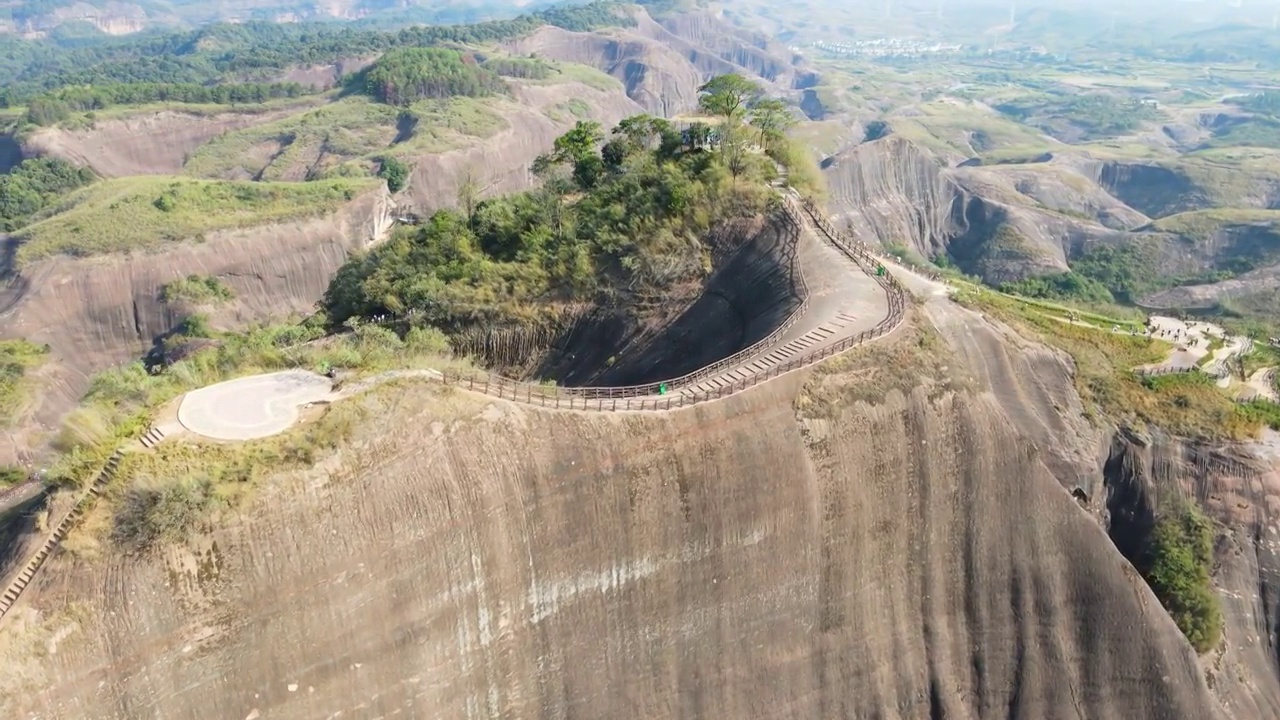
(844, 304)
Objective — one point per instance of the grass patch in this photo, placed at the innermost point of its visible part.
(315, 140)
(10, 475)
(1176, 565)
(197, 290)
(441, 125)
(915, 358)
(563, 72)
(1200, 224)
(179, 488)
(1186, 404)
(17, 358)
(121, 402)
(143, 213)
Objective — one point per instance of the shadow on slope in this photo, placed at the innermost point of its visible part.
(753, 290)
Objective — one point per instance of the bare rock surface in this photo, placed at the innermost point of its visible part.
(142, 144)
(905, 555)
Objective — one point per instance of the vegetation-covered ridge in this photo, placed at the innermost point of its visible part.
(404, 75)
(613, 217)
(34, 185)
(231, 53)
(143, 212)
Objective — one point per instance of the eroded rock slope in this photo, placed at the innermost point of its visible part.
(900, 550)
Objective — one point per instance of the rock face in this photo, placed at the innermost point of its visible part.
(751, 292)
(148, 144)
(912, 556)
(1261, 282)
(1239, 487)
(656, 76)
(662, 65)
(500, 164)
(103, 311)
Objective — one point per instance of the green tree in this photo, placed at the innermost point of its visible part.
(395, 172)
(772, 117)
(727, 96)
(579, 142)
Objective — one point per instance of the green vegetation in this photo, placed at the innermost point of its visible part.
(10, 475)
(1177, 564)
(197, 290)
(516, 67)
(57, 106)
(396, 173)
(1096, 114)
(144, 212)
(1187, 404)
(404, 75)
(589, 76)
(1105, 274)
(614, 220)
(35, 184)
(347, 138)
(179, 488)
(249, 51)
(17, 358)
(1071, 286)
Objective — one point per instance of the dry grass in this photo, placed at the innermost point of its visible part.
(164, 495)
(916, 356)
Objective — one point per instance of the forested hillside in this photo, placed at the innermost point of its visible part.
(225, 54)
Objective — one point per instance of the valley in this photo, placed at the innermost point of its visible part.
(671, 359)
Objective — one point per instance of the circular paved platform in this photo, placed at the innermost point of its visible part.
(251, 407)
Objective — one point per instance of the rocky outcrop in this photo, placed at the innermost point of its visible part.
(152, 143)
(1059, 187)
(757, 55)
(500, 163)
(1239, 487)
(538, 564)
(102, 311)
(658, 77)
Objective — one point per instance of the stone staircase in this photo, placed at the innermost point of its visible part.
(86, 501)
(152, 437)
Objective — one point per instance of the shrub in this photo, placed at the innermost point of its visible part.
(395, 172)
(196, 289)
(1177, 562)
(17, 357)
(153, 510)
(11, 475)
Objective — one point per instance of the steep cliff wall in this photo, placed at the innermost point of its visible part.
(1239, 487)
(102, 311)
(757, 55)
(900, 556)
(658, 77)
(752, 291)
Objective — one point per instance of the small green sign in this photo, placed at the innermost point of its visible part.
(880, 270)
(662, 389)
